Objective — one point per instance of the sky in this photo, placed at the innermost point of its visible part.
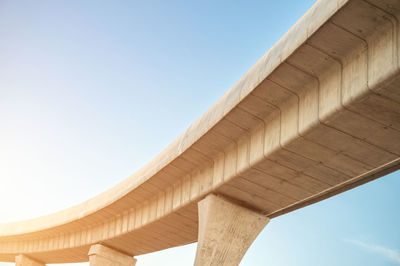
(90, 91)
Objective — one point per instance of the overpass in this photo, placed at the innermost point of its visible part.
(317, 115)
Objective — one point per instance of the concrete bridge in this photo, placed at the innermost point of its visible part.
(317, 115)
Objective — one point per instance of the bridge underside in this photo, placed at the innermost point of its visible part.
(317, 115)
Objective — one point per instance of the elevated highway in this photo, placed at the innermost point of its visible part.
(317, 115)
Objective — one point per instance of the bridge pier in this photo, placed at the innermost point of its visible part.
(23, 260)
(100, 255)
(226, 231)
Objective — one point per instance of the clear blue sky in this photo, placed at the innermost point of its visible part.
(92, 90)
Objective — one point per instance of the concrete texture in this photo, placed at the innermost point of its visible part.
(317, 115)
(226, 231)
(100, 255)
(22, 260)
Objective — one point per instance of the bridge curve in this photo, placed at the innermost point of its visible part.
(318, 114)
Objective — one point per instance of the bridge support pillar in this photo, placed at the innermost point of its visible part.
(23, 260)
(226, 231)
(100, 255)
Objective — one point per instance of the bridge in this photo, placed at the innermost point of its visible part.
(317, 115)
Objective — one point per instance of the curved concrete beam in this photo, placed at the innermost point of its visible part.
(318, 114)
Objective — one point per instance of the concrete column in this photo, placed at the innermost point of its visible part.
(226, 231)
(100, 255)
(23, 260)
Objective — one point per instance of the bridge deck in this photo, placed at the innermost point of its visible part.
(318, 114)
